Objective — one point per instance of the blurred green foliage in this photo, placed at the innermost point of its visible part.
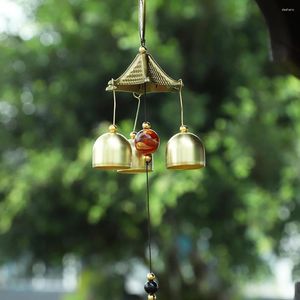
(215, 228)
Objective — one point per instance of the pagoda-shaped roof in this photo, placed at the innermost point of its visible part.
(144, 75)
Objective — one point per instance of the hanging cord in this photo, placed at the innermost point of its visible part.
(138, 97)
(142, 21)
(145, 102)
(148, 216)
(148, 193)
(181, 104)
(115, 105)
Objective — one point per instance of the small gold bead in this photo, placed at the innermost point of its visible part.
(132, 135)
(142, 50)
(183, 129)
(152, 297)
(146, 125)
(148, 159)
(112, 128)
(150, 276)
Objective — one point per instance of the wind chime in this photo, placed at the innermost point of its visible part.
(112, 151)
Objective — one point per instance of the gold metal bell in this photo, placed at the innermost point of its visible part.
(111, 151)
(137, 160)
(185, 151)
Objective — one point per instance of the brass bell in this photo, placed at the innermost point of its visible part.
(111, 151)
(137, 160)
(185, 151)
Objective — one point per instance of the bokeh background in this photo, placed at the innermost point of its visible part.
(81, 234)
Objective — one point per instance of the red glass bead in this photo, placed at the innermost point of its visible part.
(146, 141)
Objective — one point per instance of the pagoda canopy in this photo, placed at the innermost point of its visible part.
(144, 75)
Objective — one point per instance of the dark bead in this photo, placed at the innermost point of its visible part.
(151, 287)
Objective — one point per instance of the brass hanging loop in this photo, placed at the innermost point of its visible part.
(142, 21)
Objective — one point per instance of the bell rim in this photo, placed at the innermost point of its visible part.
(186, 166)
(111, 167)
(133, 171)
